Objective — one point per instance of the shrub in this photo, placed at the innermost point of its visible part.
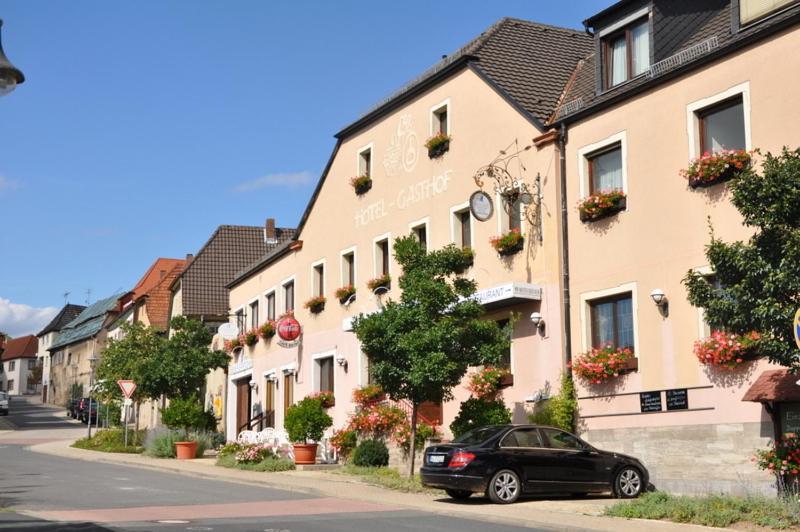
(479, 412)
(188, 414)
(253, 453)
(371, 453)
(270, 464)
(307, 420)
(229, 449)
(344, 441)
(111, 441)
(160, 442)
(559, 411)
(402, 436)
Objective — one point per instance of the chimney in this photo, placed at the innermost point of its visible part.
(270, 237)
(189, 258)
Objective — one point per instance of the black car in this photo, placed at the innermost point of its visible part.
(507, 461)
(87, 410)
(72, 408)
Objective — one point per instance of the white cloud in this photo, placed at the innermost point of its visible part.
(17, 319)
(296, 179)
(7, 184)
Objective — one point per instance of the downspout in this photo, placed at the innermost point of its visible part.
(562, 159)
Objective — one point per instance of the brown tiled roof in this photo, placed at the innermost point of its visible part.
(158, 297)
(230, 249)
(24, 347)
(154, 274)
(66, 315)
(774, 385)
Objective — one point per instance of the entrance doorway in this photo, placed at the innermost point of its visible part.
(269, 404)
(242, 404)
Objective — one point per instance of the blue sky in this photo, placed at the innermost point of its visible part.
(142, 126)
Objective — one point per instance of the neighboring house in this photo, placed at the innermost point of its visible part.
(77, 342)
(18, 360)
(200, 291)
(46, 337)
(492, 98)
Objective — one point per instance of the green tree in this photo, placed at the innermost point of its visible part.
(131, 357)
(560, 410)
(758, 281)
(421, 346)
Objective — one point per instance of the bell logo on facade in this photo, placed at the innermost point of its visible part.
(288, 332)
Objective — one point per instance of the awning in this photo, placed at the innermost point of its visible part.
(774, 385)
(508, 294)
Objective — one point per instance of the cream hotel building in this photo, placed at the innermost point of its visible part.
(558, 114)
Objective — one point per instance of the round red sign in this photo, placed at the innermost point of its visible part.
(288, 329)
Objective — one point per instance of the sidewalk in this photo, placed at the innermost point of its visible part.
(567, 514)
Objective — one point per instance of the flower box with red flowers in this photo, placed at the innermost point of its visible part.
(267, 330)
(601, 205)
(315, 305)
(361, 184)
(231, 345)
(601, 364)
(716, 167)
(344, 293)
(368, 395)
(325, 398)
(384, 281)
(487, 382)
(438, 145)
(508, 243)
(726, 350)
(250, 338)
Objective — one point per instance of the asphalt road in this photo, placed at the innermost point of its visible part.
(47, 493)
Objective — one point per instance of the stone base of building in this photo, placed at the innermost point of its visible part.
(695, 459)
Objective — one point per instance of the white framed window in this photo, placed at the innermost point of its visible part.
(755, 10)
(610, 315)
(721, 121)
(288, 294)
(318, 278)
(603, 165)
(625, 48)
(347, 272)
(12, 365)
(420, 230)
(324, 367)
(461, 226)
(364, 161)
(269, 299)
(254, 313)
(382, 255)
(240, 320)
(440, 118)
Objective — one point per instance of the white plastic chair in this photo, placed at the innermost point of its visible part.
(247, 437)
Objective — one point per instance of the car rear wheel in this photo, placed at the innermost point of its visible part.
(628, 483)
(505, 487)
(459, 494)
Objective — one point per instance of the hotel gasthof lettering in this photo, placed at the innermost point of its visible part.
(540, 119)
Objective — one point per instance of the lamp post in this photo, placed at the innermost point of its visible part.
(92, 361)
(10, 76)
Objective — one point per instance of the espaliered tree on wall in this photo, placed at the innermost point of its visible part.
(421, 346)
(758, 281)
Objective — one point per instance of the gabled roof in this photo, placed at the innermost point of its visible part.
(87, 324)
(230, 249)
(154, 274)
(158, 297)
(66, 315)
(24, 347)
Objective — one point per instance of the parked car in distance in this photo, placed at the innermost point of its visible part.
(72, 408)
(507, 461)
(87, 410)
(4, 399)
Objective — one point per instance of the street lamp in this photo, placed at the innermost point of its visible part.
(10, 76)
(92, 362)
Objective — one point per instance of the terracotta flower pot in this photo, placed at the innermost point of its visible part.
(185, 450)
(305, 453)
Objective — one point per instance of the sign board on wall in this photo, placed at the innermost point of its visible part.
(288, 332)
(678, 399)
(650, 401)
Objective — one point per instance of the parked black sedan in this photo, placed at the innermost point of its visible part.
(507, 461)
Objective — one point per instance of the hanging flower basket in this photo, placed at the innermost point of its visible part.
(601, 205)
(230, 345)
(344, 293)
(486, 383)
(267, 330)
(726, 350)
(438, 145)
(717, 167)
(250, 338)
(601, 364)
(509, 243)
(315, 305)
(379, 282)
(361, 184)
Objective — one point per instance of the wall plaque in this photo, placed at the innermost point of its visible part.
(650, 401)
(677, 399)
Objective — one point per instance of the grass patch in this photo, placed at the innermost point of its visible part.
(111, 441)
(386, 477)
(711, 510)
(271, 464)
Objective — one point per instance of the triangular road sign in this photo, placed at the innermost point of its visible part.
(127, 387)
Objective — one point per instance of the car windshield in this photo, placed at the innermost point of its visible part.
(478, 435)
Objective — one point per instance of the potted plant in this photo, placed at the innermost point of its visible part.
(508, 243)
(315, 305)
(368, 394)
(267, 330)
(716, 167)
(326, 398)
(726, 350)
(601, 205)
(305, 423)
(186, 415)
(601, 364)
(231, 345)
(344, 293)
(384, 280)
(438, 145)
(361, 184)
(250, 338)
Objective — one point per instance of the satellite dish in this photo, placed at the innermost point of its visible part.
(228, 331)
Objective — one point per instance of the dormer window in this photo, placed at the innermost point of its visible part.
(626, 52)
(754, 10)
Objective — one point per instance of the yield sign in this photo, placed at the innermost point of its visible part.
(127, 387)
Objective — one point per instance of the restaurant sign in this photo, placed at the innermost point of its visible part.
(288, 332)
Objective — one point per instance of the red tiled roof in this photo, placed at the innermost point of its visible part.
(158, 298)
(24, 347)
(153, 276)
(774, 385)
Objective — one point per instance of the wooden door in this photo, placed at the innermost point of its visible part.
(269, 405)
(242, 404)
(288, 392)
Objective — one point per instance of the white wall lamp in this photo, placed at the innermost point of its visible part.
(254, 386)
(538, 321)
(660, 299)
(342, 361)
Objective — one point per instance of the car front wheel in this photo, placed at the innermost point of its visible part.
(628, 483)
(505, 487)
(459, 494)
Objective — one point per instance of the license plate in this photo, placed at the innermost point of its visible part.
(436, 459)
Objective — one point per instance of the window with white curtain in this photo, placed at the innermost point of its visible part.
(605, 169)
(626, 53)
(750, 10)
